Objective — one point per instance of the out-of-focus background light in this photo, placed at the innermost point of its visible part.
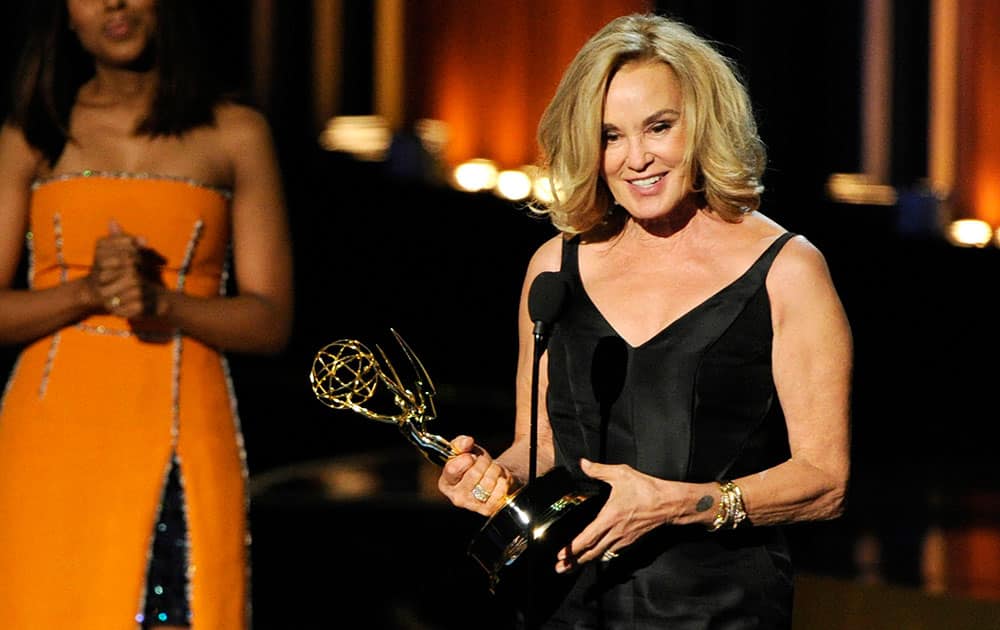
(859, 188)
(513, 184)
(544, 189)
(970, 233)
(366, 138)
(476, 175)
(433, 134)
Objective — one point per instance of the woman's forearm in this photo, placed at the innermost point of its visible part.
(245, 323)
(26, 315)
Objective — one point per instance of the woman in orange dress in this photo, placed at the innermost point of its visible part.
(135, 186)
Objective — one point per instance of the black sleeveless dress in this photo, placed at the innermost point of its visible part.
(696, 403)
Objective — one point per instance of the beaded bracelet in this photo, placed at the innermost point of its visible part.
(732, 511)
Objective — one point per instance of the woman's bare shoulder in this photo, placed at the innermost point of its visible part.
(548, 256)
(242, 123)
(18, 158)
(799, 268)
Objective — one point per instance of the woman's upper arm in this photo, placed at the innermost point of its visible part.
(546, 258)
(813, 358)
(18, 163)
(261, 240)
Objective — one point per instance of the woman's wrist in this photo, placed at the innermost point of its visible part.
(88, 298)
(162, 303)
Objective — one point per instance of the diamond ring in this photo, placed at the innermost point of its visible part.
(479, 494)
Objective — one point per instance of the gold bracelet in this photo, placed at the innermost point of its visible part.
(739, 511)
(732, 510)
(722, 515)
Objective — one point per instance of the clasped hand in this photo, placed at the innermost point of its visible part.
(124, 279)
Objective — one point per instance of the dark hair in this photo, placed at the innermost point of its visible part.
(53, 66)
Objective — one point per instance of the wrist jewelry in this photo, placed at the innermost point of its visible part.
(732, 511)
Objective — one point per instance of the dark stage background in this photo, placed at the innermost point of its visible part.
(444, 268)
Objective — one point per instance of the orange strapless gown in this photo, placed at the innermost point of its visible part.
(93, 414)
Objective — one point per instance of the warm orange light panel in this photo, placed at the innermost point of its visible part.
(978, 129)
(488, 68)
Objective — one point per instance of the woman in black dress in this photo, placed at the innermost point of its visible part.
(701, 364)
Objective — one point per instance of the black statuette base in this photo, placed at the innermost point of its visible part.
(518, 544)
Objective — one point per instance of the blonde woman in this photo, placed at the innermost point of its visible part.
(701, 366)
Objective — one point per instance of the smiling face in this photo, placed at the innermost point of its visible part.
(645, 140)
(116, 32)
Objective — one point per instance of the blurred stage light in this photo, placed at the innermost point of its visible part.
(513, 184)
(476, 174)
(543, 189)
(366, 138)
(859, 188)
(433, 134)
(969, 233)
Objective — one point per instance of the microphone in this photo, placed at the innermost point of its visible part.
(546, 298)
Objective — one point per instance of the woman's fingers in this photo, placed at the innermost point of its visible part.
(488, 484)
(472, 479)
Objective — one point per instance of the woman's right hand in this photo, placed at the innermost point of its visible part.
(473, 480)
(115, 281)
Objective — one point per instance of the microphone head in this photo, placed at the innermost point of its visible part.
(547, 295)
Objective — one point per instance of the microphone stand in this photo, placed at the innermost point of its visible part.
(545, 299)
(536, 360)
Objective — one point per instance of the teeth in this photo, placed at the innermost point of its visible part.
(649, 181)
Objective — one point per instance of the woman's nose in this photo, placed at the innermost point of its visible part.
(638, 156)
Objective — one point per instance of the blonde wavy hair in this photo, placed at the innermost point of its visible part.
(724, 152)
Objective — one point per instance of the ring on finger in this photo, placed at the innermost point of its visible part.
(480, 494)
(608, 556)
(115, 302)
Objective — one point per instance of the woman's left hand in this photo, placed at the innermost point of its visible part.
(637, 504)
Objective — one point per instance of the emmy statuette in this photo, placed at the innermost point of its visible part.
(517, 544)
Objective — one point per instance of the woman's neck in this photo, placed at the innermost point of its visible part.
(117, 86)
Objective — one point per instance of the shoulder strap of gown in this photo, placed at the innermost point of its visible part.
(569, 258)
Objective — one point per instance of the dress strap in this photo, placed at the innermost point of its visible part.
(776, 246)
(570, 246)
